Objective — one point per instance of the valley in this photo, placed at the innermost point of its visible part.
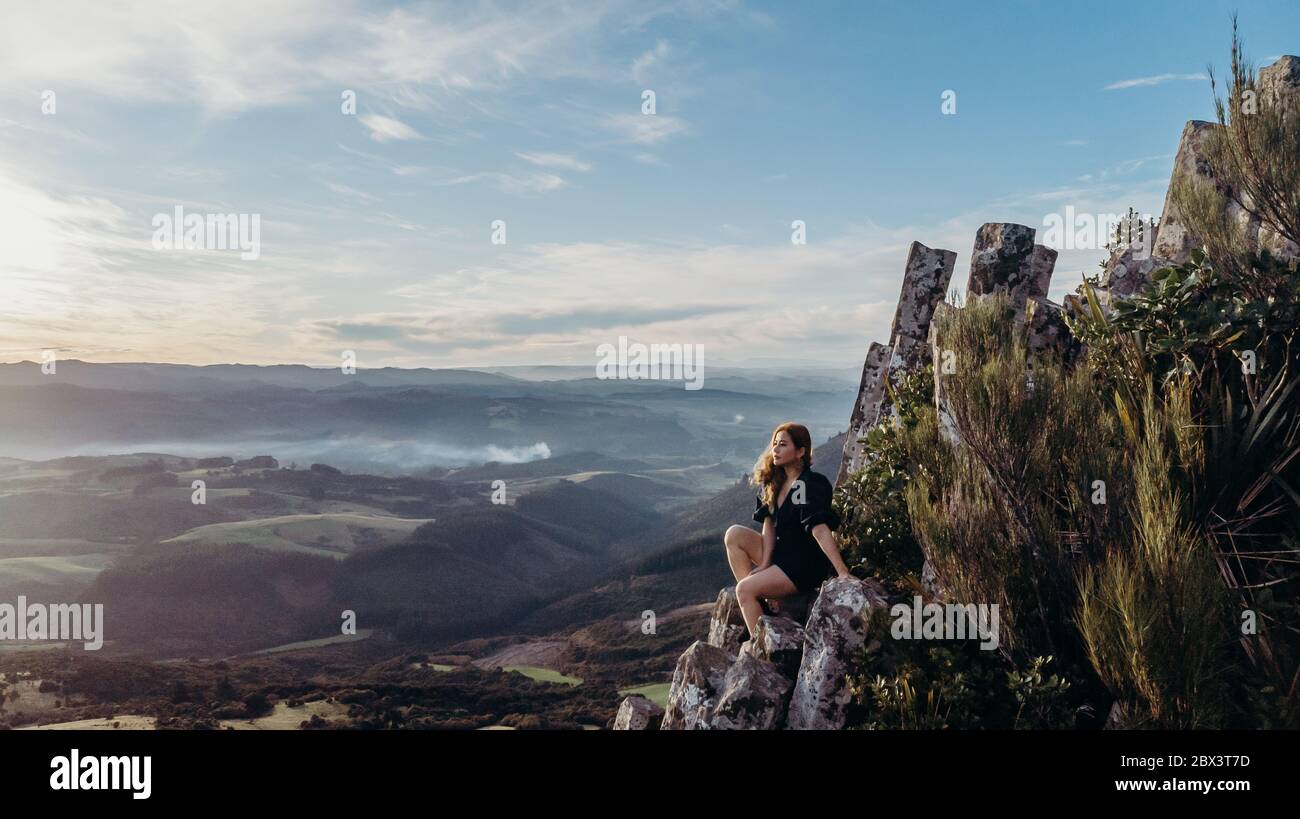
(469, 613)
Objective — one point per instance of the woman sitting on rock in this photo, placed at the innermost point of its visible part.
(796, 550)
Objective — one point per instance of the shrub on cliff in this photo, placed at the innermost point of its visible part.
(1002, 495)
(876, 535)
(1210, 374)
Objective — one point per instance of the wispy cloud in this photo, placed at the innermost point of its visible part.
(383, 129)
(649, 58)
(644, 129)
(510, 183)
(414, 57)
(544, 160)
(1158, 79)
(346, 190)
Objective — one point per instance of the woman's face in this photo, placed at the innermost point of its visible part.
(784, 451)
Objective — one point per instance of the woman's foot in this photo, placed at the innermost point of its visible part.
(771, 605)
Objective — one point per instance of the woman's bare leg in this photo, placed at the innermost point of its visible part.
(771, 582)
(744, 550)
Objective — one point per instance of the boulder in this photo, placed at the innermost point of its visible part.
(727, 625)
(837, 629)
(636, 713)
(698, 681)
(1003, 261)
(1129, 269)
(778, 640)
(753, 697)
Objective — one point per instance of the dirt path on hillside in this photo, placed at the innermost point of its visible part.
(541, 653)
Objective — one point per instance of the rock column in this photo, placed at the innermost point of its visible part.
(925, 283)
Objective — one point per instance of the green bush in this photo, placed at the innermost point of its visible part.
(876, 535)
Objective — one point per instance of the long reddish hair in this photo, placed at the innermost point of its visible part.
(766, 475)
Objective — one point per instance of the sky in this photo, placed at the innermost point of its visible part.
(377, 224)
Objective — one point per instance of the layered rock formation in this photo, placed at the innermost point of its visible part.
(836, 630)
(790, 675)
(925, 283)
(1129, 268)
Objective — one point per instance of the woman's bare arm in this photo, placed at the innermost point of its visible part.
(826, 540)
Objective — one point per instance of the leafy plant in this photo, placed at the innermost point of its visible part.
(876, 533)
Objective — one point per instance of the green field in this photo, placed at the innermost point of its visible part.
(655, 692)
(284, 718)
(549, 675)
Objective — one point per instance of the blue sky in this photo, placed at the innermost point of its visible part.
(670, 228)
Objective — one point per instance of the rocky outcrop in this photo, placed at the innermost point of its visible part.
(1006, 260)
(925, 283)
(636, 713)
(698, 681)
(753, 697)
(727, 624)
(713, 689)
(1129, 268)
(837, 629)
(727, 629)
(1002, 261)
(1281, 79)
(1041, 264)
(778, 640)
(871, 391)
(1174, 241)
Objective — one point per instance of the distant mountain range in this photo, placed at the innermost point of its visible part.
(394, 420)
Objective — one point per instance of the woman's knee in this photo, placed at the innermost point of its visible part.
(745, 588)
(731, 539)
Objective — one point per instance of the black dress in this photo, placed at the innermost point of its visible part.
(796, 551)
